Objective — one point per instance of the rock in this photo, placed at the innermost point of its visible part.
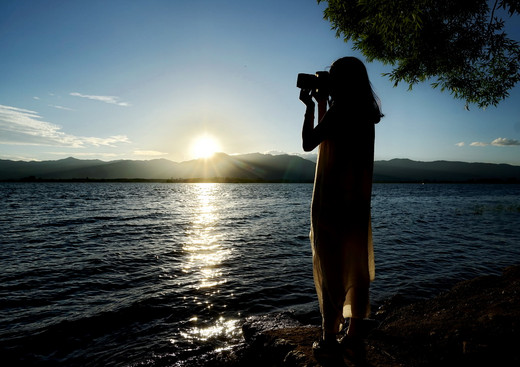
(476, 323)
(278, 340)
(296, 358)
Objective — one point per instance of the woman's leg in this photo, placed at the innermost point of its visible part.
(332, 317)
(359, 308)
(328, 346)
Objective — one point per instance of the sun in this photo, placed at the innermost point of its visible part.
(204, 146)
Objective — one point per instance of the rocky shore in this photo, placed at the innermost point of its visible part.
(476, 323)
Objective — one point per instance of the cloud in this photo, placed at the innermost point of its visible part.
(61, 107)
(478, 144)
(19, 126)
(500, 142)
(85, 154)
(106, 99)
(36, 98)
(505, 142)
(20, 158)
(274, 152)
(110, 141)
(460, 144)
(149, 153)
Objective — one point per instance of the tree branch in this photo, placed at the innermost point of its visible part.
(492, 16)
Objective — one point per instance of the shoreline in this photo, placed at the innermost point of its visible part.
(475, 323)
(247, 180)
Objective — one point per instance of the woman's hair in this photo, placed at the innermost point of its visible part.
(349, 80)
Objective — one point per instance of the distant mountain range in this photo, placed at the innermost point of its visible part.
(249, 167)
(406, 170)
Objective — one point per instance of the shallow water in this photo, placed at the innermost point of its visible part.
(151, 274)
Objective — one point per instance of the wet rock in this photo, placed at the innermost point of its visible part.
(296, 358)
(278, 340)
(476, 323)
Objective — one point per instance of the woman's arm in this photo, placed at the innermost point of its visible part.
(308, 121)
(313, 136)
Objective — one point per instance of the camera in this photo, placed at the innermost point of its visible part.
(318, 83)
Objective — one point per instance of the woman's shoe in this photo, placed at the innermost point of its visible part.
(326, 349)
(353, 349)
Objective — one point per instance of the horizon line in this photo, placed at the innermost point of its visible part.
(300, 155)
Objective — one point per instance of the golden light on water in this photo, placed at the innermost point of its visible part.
(221, 327)
(204, 256)
(203, 247)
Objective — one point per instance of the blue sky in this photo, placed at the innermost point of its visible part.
(146, 79)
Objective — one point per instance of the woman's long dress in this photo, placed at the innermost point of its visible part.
(341, 236)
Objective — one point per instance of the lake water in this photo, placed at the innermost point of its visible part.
(144, 274)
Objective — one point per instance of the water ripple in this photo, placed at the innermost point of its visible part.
(118, 274)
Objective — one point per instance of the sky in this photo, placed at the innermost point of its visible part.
(151, 79)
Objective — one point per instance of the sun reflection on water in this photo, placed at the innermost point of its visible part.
(221, 328)
(205, 254)
(203, 246)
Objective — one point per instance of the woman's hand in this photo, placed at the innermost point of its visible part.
(306, 97)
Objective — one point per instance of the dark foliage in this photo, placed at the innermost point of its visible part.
(458, 46)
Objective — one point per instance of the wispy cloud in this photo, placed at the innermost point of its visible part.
(460, 144)
(500, 142)
(61, 107)
(19, 126)
(274, 152)
(86, 154)
(105, 99)
(505, 142)
(110, 141)
(20, 158)
(149, 153)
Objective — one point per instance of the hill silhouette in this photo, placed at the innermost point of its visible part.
(249, 167)
(406, 170)
(252, 167)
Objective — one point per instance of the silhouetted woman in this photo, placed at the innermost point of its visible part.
(341, 237)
